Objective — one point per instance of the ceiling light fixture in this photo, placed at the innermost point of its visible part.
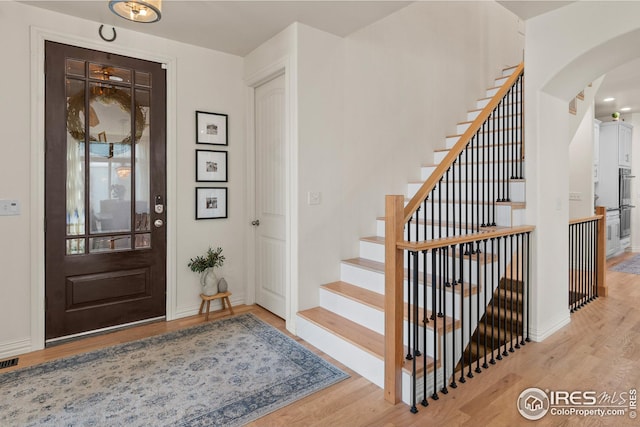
(625, 109)
(146, 11)
(608, 99)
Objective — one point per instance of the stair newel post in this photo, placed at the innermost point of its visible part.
(601, 287)
(394, 304)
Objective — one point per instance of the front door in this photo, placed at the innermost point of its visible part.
(105, 190)
(270, 195)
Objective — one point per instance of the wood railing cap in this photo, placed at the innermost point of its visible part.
(466, 238)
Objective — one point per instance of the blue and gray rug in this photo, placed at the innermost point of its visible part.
(223, 373)
(630, 265)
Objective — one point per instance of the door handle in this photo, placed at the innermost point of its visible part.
(158, 223)
(255, 223)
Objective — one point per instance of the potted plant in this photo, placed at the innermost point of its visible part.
(205, 265)
(615, 116)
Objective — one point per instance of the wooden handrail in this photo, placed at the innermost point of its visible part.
(585, 219)
(465, 238)
(453, 154)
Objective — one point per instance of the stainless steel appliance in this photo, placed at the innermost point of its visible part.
(625, 178)
(624, 198)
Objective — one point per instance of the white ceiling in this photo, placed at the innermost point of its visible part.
(235, 27)
(238, 27)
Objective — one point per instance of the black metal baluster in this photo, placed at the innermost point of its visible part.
(528, 339)
(447, 205)
(522, 289)
(518, 284)
(493, 300)
(499, 356)
(414, 409)
(466, 190)
(470, 340)
(494, 182)
(507, 251)
(409, 355)
(591, 260)
(453, 316)
(485, 199)
(571, 276)
(511, 350)
(454, 196)
(424, 325)
(485, 291)
(437, 281)
(462, 253)
(582, 275)
(440, 208)
(433, 214)
(444, 324)
(477, 307)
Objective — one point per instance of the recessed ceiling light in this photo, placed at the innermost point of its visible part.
(625, 109)
(608, 99)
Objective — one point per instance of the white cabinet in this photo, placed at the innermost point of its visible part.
(613, 233)
(624, 146)
(614, 152)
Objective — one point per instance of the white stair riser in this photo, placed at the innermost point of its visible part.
(483, 102)
(486, 154)
(364, 363)
(477, 191)
(484, 169)
(490, 138)
(507, 108)
(367, 279)
(491, 92)
(508, 72)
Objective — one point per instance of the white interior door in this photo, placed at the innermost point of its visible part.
(270, 195)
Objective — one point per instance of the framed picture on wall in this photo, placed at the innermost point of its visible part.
(211, 166)
(211, 128)
(211, 202)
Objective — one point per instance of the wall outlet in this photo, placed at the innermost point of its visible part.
(575, 197)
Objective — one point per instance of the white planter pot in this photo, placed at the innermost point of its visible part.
(209, 282)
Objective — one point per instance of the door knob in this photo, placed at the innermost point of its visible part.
(158, 223)
(255, 223)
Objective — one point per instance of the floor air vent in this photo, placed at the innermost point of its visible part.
(8, 363)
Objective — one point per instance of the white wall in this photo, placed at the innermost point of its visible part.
(634, 119)
(602, 36)
(410, 78)
(581, 168)
(202, 80)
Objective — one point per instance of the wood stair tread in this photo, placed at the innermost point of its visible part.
(497, 145)
(361, 337)
(376, 301)
(489, 259)
(358, 335)
(485, 132)
(515, 205)
(378, 267)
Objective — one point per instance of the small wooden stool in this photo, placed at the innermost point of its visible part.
(222, 296)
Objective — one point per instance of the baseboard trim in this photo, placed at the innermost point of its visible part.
(15, 348)
(539, 336)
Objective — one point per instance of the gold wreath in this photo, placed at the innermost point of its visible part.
(107, 95)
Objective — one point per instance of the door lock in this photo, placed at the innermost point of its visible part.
(255, 223)
(158, 223)
(159, 206)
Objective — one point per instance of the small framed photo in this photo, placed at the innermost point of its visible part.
(211, 166)
(211, 202)
(211, 128)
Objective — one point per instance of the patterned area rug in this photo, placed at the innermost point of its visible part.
(223, 373)
(631, 265)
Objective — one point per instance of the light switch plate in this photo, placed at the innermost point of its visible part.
(9, 207)
(314, 197)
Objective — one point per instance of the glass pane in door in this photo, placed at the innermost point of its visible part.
(110, 151)
(75, 157)
(142, 175)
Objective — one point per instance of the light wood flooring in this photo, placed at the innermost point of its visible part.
(599, 350)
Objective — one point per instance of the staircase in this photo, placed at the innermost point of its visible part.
(349, 324)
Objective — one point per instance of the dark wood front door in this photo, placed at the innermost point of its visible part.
(105, 190)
